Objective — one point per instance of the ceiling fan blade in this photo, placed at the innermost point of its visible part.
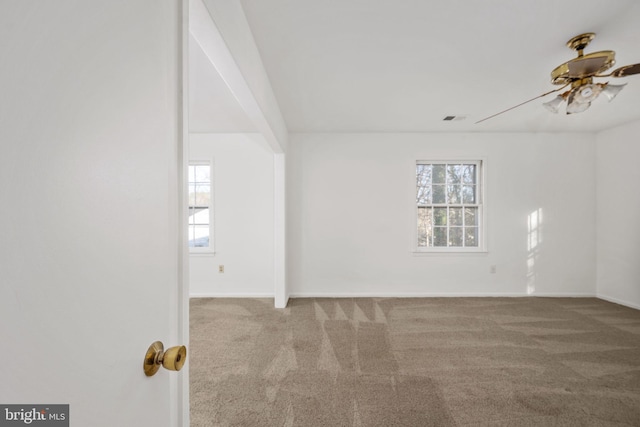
(627, 70)
(522, 103)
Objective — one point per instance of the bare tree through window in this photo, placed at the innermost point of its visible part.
(448, 204)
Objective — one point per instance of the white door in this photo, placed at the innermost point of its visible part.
(89, 195)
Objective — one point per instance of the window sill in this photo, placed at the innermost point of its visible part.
(457, 252)
(202, 254)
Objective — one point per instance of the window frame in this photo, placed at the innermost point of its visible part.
(210, 250)
(481, 165)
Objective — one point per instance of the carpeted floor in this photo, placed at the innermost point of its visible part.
(414, 362)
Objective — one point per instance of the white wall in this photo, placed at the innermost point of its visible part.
(350, 215)
(244, 217)
(618, 195)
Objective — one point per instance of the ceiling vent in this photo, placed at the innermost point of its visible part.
(454, 118)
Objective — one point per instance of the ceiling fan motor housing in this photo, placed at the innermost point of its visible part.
(578, 43)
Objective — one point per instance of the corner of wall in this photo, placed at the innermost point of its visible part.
(617, 269)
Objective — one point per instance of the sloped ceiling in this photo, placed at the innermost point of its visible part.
(403, 65)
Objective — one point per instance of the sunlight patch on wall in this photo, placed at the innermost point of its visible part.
(534, 240)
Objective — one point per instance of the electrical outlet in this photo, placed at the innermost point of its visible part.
(221, 269)
(492, 269)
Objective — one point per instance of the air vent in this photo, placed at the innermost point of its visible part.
(454, 118)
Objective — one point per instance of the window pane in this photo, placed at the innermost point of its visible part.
(202, 173)
(203, 195)
(439, 194)
(423, 184)
(469, 174)
(192, 195)
(440, 236)
(469, 194)
(440, 216)
(423, 195)
(455, 216)
(425, 226)
(439, 174)
(199, 201)
(200, 236)
(423, 173)
(471, 216)
(454, 174)
(471, 236)
(201, 216)
(190, 236)
(453, 194)
(455, 236)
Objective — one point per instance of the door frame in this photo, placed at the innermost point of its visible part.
(181, 388)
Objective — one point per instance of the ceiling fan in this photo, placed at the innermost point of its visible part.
(577, 75)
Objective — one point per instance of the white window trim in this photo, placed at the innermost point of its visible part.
(199, 251)
(427, 251)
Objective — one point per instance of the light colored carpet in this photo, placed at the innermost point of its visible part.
(414, 362)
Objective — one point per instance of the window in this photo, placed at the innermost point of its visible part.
(449, 206)
(200, 207)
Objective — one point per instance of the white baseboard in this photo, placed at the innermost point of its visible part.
(438, 295)
(415, 295)
(228, 295)
(619, 301)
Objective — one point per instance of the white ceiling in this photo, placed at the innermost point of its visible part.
(403, 65)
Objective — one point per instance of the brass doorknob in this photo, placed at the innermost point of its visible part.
(173, 359)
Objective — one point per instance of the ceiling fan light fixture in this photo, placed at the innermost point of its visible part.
(554, 104)
(587, 93)
(577, 107)
(610, 91)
